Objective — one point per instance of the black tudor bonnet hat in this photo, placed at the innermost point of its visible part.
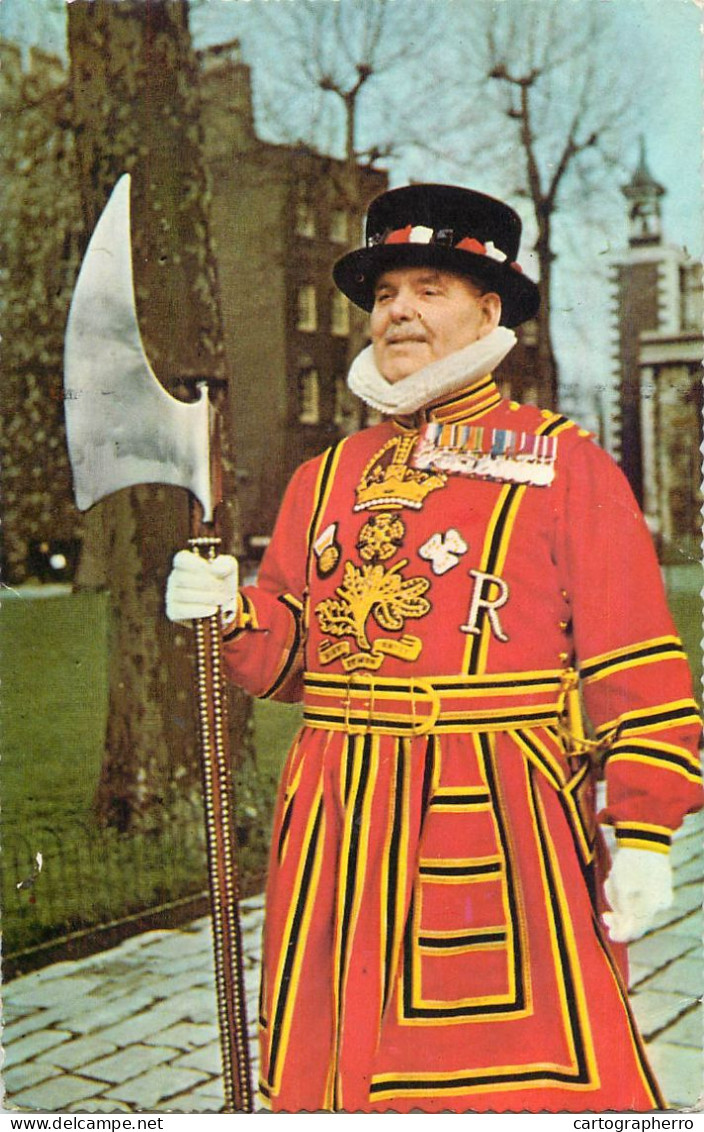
(447, 227)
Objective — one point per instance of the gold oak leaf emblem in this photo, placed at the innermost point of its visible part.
(372, 591)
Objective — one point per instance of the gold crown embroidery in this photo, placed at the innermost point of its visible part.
(387, 480)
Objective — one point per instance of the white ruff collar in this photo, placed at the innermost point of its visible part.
(431, 382)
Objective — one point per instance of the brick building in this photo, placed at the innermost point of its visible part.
(280, 217)
(656, 297)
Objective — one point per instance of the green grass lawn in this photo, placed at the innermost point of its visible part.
(53, 711)
(52, 714)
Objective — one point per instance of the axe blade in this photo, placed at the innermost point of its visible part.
(123, 428)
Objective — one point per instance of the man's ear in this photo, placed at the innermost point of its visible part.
(491, 309)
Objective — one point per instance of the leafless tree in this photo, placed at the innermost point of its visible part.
(330, 75)
(543, 101)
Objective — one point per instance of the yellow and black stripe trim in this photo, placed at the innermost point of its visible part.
(480, 939)
(580, 1071)
(465, 404)
(496, 542)
(362, 758)
(394, 873)
(657, 754)
(633, 656)
(582, 835)
(495, 548)
(412, 1008)
(643, 835)
(291, 792)
(463, 723)
(540, 755)
(288, 660)
(495, 683)
(646, 1074)
(323, 486)
(246, 618)
(646, 720)
(293, 943)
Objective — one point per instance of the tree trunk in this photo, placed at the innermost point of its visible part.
(135, 104)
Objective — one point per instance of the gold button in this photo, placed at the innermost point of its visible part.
(563, 625)
(514, 406)
(564, 656)
(583, 432)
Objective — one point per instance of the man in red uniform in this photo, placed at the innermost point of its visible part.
(436, 588)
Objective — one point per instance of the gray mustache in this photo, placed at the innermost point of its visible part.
(404, 337)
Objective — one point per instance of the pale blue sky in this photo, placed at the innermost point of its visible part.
(673, 27)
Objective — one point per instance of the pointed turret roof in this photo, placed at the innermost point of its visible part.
(642, 183)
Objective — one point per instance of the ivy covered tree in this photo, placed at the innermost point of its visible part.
(135, 109)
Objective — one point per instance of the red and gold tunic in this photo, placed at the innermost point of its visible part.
(433, 939)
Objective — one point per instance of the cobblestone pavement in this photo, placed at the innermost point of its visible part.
(133, 1029)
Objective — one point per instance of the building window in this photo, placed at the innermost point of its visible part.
(305, 218)
(307, 315)
(339, 315)
(309, 397)
(347, 408)
(338, 226)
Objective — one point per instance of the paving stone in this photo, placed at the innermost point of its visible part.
(684, 977)
(27, 1024)
(195, 1005)
(691, 925)
(213, 1088)
(198, 1101)
(16, 1078)
(139, 982)
(155, 1088)
(174, 965)
(251, 982)
(102, 1015)
(80, 1051)
(689, 897)
(184, 1036)
(143, 1026)
(689, 1031)
(180, 943)
(56, 1093)
(99, 1104)
(172, 984)
(32, 1044)
(209, 1059)
(654, 1010)
(658, 949)
(49, 992)
(128, 1063)
(679, 1073)
(688, 870)
(637, 972)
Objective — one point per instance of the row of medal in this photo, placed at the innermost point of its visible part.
(497, 454)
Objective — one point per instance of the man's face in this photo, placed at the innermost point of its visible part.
(421, 314)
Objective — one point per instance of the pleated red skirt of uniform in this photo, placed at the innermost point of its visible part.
(431, 940)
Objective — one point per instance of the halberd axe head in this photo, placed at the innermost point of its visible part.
(123, 427)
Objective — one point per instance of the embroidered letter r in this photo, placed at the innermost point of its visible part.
(489, 594)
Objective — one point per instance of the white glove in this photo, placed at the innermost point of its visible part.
(197, 587)
(638, 887)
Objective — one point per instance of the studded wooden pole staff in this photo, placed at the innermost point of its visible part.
(141, 434)
(221, 840)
